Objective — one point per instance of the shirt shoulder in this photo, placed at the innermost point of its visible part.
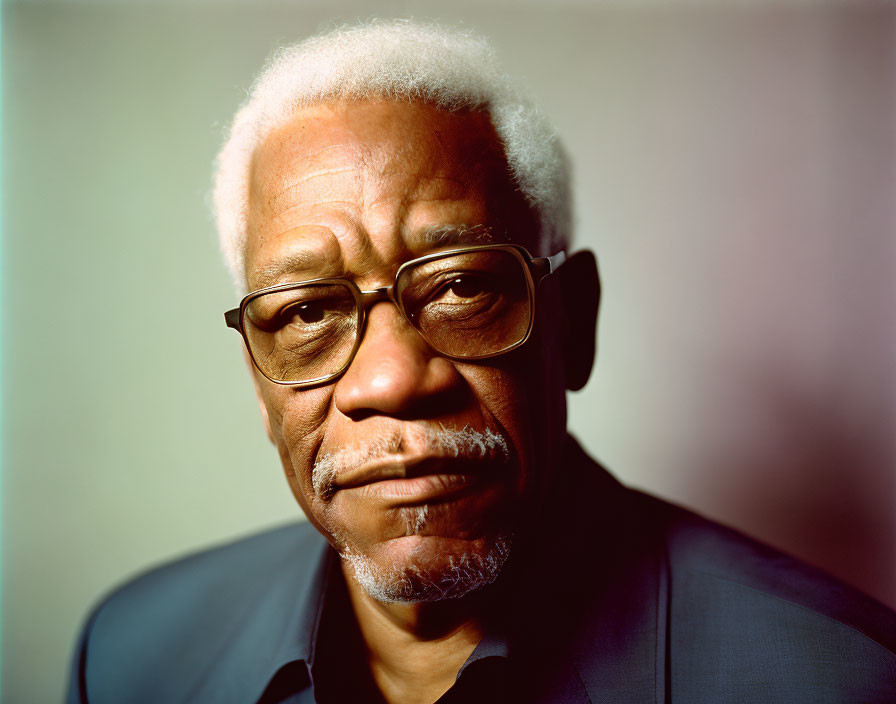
(158, 636)
(744, 617)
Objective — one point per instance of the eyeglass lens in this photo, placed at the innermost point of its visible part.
(468, 305)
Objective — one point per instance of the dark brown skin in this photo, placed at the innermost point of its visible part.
(357, 184)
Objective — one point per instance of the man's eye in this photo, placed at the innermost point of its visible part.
(313, 312)
(309, 313)
(466, 286)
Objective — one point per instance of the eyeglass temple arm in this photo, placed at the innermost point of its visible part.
(232, 318)
(542, 266)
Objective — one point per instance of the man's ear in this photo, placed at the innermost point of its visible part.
(264, 409)
(579, 285)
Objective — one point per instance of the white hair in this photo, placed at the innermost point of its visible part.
(396, 59)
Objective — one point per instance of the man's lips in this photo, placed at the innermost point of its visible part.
(416, 480)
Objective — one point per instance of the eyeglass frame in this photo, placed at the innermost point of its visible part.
(536, 270)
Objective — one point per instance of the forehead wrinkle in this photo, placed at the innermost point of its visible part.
(376, 190)
(348, 207)
(299, 169)
(295, 184)
(379, 165)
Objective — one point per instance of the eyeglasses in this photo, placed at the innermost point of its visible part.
(468, 304)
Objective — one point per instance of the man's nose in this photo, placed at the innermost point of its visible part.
(395, 371)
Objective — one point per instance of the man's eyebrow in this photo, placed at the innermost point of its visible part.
(447, 235)
(291, 263)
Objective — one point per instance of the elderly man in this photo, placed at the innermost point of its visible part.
(397, 218)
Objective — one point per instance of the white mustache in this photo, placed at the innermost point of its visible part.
(466, 443)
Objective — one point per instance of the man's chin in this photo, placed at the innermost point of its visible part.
(417, 568)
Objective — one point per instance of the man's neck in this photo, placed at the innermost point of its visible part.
(416, 650)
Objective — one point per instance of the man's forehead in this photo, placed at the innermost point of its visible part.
(341, 174)
(373, 139)
(361, 177)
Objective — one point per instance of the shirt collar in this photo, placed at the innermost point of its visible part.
(492, 645)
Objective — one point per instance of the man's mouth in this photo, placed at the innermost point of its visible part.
(408, 481)
(416, 465)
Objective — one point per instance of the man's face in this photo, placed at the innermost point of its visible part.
(411, 464)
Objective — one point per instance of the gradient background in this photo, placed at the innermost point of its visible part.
(734, 172)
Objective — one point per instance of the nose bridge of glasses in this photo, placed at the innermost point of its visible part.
(383, 293)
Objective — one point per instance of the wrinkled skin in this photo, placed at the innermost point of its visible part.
(355, 186)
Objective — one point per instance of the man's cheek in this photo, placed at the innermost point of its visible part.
(302, 443)
(297, 425)
(505, 395)
(301, 419)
